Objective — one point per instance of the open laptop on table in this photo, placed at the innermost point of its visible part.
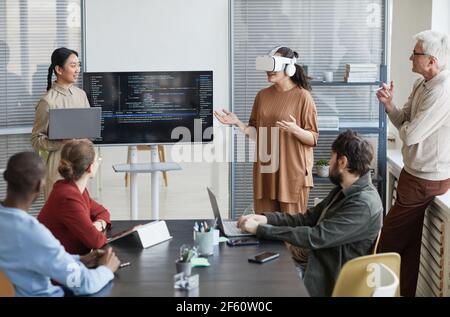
(228, 228)
(74, 123)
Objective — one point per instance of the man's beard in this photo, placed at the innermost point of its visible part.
(335, 176)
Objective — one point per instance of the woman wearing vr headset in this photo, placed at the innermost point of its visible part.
(287, 105)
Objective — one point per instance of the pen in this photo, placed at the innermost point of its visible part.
(124, 264)
(205, 226)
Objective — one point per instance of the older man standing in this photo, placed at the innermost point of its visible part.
(424, 127)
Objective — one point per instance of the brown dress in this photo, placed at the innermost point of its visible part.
(283, 186)
(56, 97)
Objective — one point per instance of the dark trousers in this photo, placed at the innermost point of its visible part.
(402, 227)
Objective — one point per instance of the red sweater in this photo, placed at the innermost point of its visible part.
(69, 215)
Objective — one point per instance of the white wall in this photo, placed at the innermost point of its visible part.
(155, 35)
(408, 18)
(168, 35)
(440, 16)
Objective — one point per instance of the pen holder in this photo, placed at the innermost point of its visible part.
(204, 242)
(183, 267)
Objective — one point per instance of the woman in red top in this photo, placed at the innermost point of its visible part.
(73, 217)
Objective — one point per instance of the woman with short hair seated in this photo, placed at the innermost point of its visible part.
(73, 217)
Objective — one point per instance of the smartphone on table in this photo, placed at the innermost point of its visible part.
(264, 257)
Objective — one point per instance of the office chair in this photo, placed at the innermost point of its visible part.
(6, 287)
(356, 275)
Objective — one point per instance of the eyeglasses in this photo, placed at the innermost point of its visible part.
(414, 53)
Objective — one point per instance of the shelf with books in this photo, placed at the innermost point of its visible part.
(344, 83)
(359, 129)
(332, 124)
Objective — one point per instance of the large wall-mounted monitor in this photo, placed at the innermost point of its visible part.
(152, 107)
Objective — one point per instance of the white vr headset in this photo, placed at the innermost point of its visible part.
(273, 63)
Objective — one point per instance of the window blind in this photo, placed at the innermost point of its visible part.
(29, 32)
(327, 34)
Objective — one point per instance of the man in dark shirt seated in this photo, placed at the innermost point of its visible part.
(343, 226)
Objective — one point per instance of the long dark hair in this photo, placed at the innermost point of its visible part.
(299, 78)
(59, 57)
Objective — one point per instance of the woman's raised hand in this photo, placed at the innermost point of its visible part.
(226, 117)
(288, 126)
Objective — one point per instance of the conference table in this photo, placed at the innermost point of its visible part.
(152, 270)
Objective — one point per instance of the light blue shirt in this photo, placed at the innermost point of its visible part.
(30, 256)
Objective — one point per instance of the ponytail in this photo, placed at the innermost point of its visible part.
(301, 78)
(49, 77)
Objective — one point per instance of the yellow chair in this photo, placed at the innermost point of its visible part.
(161, 154)
(356, 276)
(6, 287)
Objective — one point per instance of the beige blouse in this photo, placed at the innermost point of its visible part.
(56, 97)
(295, 159)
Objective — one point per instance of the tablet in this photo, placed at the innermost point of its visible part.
(122, 234)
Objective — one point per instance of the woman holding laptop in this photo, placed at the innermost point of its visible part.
(60, 94)
(73, 217)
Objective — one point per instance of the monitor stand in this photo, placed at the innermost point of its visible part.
(155, 168)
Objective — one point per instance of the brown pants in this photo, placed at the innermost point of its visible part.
(402, 227)
(268, 205)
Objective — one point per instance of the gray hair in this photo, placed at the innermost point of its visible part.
(436, 44)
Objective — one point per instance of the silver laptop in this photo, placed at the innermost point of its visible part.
(74, 123)
(228, 228)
